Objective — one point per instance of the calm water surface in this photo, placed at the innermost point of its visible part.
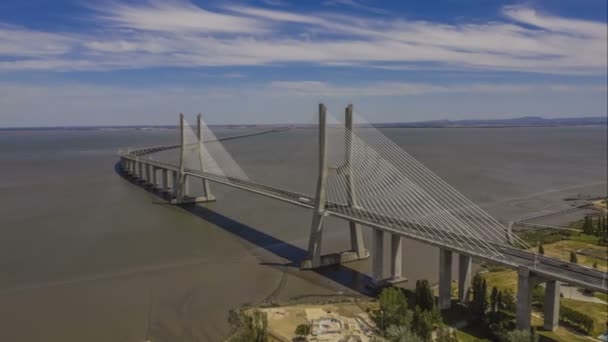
(87, 256)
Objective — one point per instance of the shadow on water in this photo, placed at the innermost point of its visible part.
(340, 274)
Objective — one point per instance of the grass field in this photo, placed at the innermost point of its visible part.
(561, 334)
(507, 279)
(561, 250)
(503, 280)
(599, 313)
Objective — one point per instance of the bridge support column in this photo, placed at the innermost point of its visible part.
(357, 243)
(175, 183)
(525, 284)
(551, 305)
(140, 171)
(154, 181)
(165, 180)
(150, 176)
(147, 173)
(181, 187)
(396, 258)
(207, 196)
(445, 279)
(316, 229)
(464, 278)
(185, 187)
(378, 256)
(357, 250)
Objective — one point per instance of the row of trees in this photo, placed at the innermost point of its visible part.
(597, 227)
(497, 301)
(493, 310)
(396, 322)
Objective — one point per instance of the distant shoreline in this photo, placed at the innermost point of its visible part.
(529, 121)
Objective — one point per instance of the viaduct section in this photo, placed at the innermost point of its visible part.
(173, 182)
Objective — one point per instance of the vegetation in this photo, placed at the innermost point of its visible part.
(521, 336)
(593, 230)
(396, 322)
(598, 312)
(589, 243)
(424, 295)
(403, 334)
(252, 326)
(598, 227)
(506, 284)
(576, 319)
(393, 310)
(302, 330)
(444, 334)
(479, 304)
(573, 258)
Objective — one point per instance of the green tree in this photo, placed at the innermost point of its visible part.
(573, 258)
(479, 304)
(252, 327)
(494, 299)
(499, 302)
(588, 225)
(444, 334)
(393, 309)
(422, 323)
(424, 295)
(520, 336)
(538, 295)
(541, 249)
(303, 330)
(402, 334)
(509, 302)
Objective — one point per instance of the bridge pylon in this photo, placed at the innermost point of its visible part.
(181, 189)
(357, 251)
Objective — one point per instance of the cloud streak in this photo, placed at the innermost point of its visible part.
(181, 34)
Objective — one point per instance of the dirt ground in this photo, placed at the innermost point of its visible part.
(355, 322)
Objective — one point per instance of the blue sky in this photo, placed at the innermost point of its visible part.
(68, 62)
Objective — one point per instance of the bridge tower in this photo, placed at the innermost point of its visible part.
(181, 189)
(357, 250)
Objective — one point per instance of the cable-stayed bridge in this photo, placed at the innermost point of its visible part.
(370, 182)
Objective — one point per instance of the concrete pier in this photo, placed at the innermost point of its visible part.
(396, 257)
(377, 256)
(165, 180)
(175, 182)
(140, 171)
(551, 305)
(199, 133)
(316, 229)
(357, 250)
(464, 278)
(445, 278)
(356, 235)
(154, 177)
(525, 284)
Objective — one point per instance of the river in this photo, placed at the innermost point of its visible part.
(87, 256)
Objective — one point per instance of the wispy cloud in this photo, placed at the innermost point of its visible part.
(375, 89)
(356, 5)
(176, 16)
(185, 35)
(18, 41)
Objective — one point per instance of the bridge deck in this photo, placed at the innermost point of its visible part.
(509, 256)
